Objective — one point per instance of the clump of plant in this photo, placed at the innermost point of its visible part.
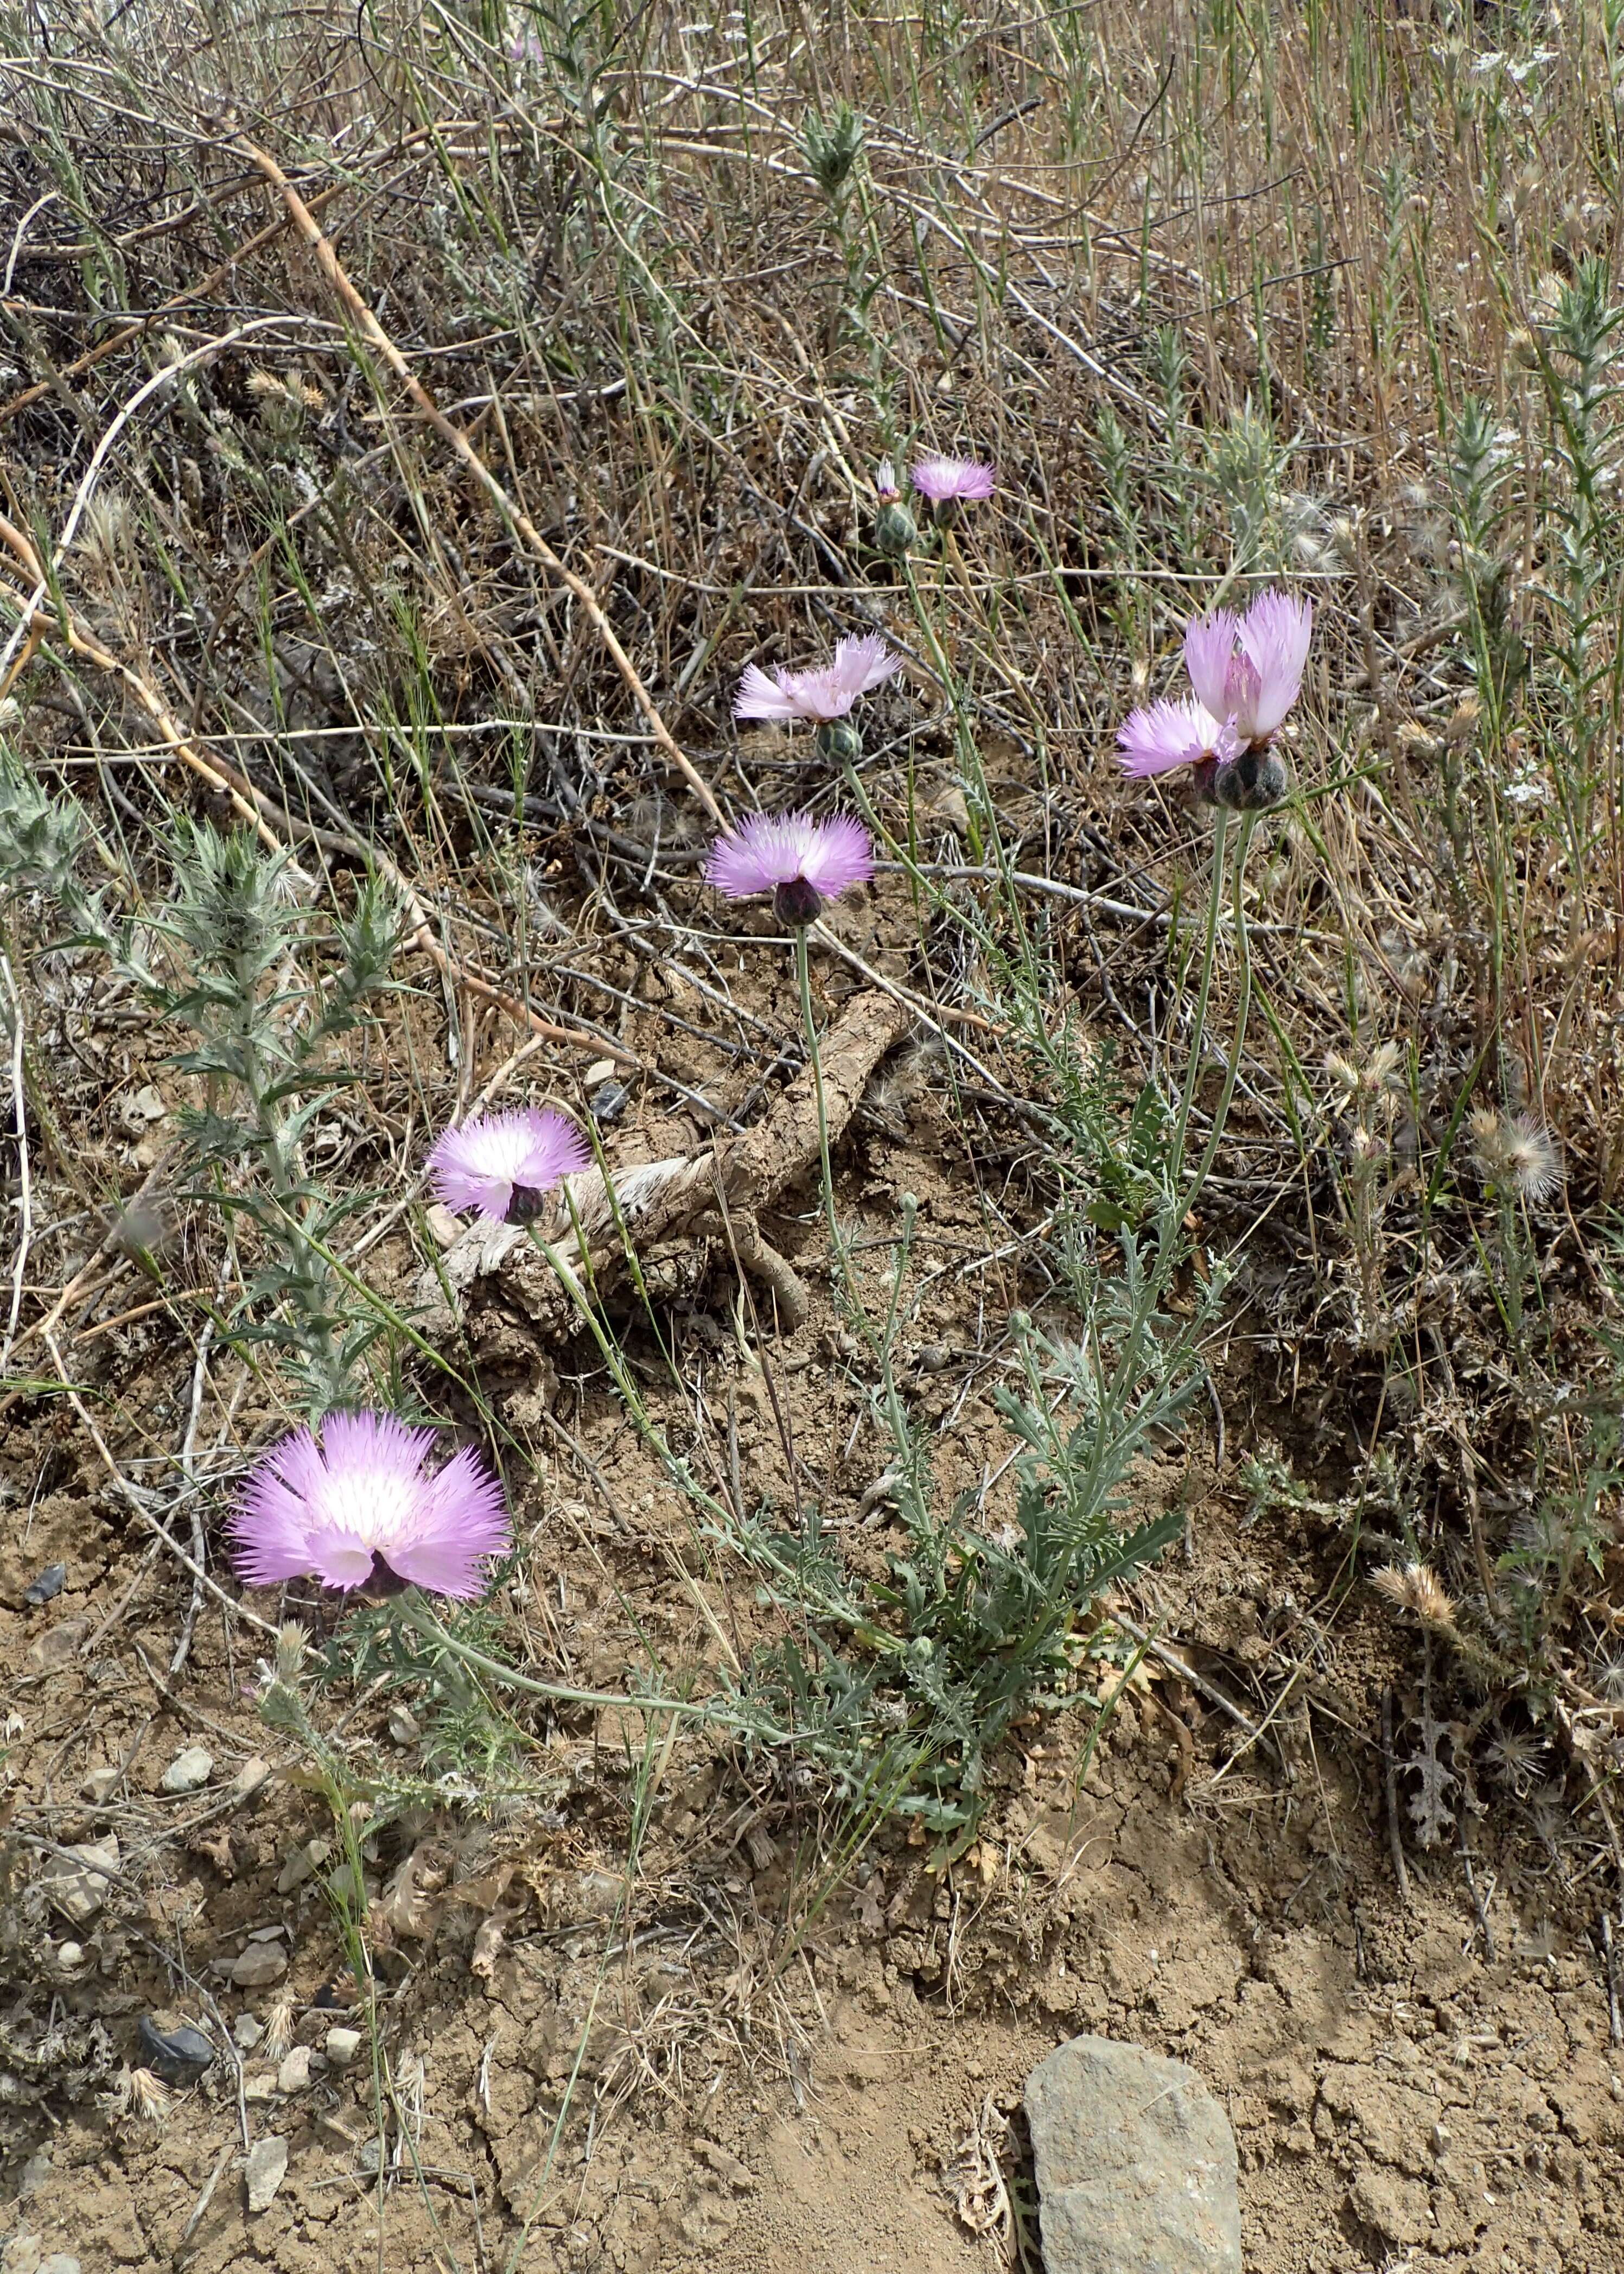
(235, 955)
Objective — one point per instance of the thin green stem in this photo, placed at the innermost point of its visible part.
(1198, 1040)
(803, 975)
(1243, 1008)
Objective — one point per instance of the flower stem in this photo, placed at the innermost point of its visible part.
(1243, 1007)
(803, 974)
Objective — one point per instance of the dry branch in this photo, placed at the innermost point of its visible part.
(670, 1205)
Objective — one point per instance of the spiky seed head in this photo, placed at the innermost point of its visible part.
(279, 2027)
(1417, 1588)
(1342, 1071)
(1514, 1153)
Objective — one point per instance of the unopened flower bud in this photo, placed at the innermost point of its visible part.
(896, 532)
(1252, 782)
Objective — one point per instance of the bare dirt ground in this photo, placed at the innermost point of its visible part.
(733, 2055)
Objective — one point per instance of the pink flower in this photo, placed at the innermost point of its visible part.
(942, 479)
(1172, 735)
(819, 695)
(358, 1508)
(504, 1164)
(802, 862)
(1249, 669)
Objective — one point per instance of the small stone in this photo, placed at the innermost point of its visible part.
(100, 1786)
(444, 1230)
(343, 2045)
(403, 1725)
(600, 1070)
(370, 2157)
(266, 2168)
(77, 1888)
(60, 2262)
(47, 1586)
(177, 2057)
(21, 2254)
(146, 1104)
(294, 2074)
(1136, 2165)
(260, 2087)
(247, 2031)
(56, 1646)
(260, 1964)
(249, 1777)
(608, 1102)
(302, 1864)
(71, 1956)
(36, 2174)
(189, 1772)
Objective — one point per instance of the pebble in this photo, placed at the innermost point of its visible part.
(21, 2254)
(260, 2087)
(247, 2031)
(71, 1956)
(78, 1888)
(1136, 2165)
(403, 1725)
(56, 1646)
(609, 1101)
(178, 2056)
(47, 1585)
(99, 1784)
(260, 1964)
(302, 1864)
(60, 2262)
(294, 2074)
(189, 1772)
(37, 2172)
(266, 2168)
(444, 1230)
(342, 2046)
(254, 1773)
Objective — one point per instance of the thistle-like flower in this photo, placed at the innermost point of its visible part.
(896, 531)
(802, 862)
(507, 1164)
(1247, 671)
(1516, 1153)
(948, 481)
(357, 1509)
(823, 696)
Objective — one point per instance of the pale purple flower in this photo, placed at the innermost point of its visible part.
(1172, 735)
(358, 1508)
(943, 480)
(802, 862)
(1248, 670)
(822, 695)
(505, 1164)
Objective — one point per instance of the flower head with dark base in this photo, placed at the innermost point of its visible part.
(505, 1164)
(1247, 671)
(894, 530)
(822, 697)
(802, 862)
(948, 481)
(357, 1509)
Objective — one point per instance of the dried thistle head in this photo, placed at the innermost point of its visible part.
(1417, 1588)
(1514, 1153)
(106, 534)
(140, 2096)
(1515, 1758)
(292, 1642)
(1463, 720)
(279, 2027)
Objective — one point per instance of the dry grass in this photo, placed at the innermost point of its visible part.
(1218, 292)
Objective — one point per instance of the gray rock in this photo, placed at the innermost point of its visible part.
(294, 2074)
(342, 2046)
(189, 1772)
(21, 2254)
(264, 2172)
(247, 2031)
(1136, 2165)
(100, 1784)
(37, 2172)
(47, 1586)
(60, 2262)
(74, 1880)
(177, 2057)
(261, 1963)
